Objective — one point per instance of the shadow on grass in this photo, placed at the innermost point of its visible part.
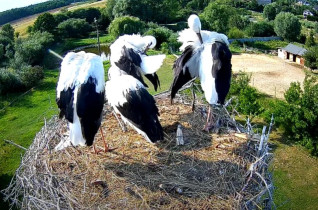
(4, 182)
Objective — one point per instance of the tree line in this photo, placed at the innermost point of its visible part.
(17, 13)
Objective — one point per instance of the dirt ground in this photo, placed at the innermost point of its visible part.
(270, 74)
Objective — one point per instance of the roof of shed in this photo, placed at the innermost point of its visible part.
(291, 48)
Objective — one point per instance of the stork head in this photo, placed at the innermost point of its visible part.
(194, 24)
(150, 41)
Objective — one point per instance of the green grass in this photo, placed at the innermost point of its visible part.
(22, 120)
(295, 175)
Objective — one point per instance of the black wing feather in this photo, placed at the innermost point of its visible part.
(130, 63)
(141, 110)
(89, 109)
(154, 79)
(181, 78)
(65, 104)
(221, 69)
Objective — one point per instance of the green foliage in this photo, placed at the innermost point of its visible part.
(74, 28)
(85, 13)
(311, 57)
(60, 17)
(269, 11)
(247, 96)
(162, 11)
(260, 29)
(287, 26)
(126, 25)
(7, 31)
(45, 22)
(253, 5)
(217, 16)
(14, 14)
(31, 50)
(238, 21)
(30, 76)
(9, 81)
(310, 40)
(298, 116)
(235, 33)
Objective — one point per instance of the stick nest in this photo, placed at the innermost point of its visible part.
(210, 171)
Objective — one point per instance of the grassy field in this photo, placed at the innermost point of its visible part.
(22, 25)
(20, 121)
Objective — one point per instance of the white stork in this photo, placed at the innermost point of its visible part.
(137, 108)
(80, 97)
(205, 55)
(128, 53)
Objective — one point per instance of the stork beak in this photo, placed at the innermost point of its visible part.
(147, 48)
(200, 37)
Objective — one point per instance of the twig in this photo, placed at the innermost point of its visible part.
(17, 145)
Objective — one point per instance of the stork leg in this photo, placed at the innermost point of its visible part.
(193, 96)
(209, 120)
(106, 148)
(123, 127)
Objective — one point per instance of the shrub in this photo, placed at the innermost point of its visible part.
(247, 96)
(30, 76)
(235, 33)
(126, 25)
(74, 28)
(31, 50)
(162, 34)
(311, 57)
(9, 81)
(298, 116)
(260, 29)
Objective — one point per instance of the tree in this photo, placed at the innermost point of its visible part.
(31, 50)
(45, 22)
(216, 17)
(287, 26)
(310, 40)
(74, 27)
(126, 25)
(238, 21)
(311, 57)
(260, 29)
(269, 11)
(8, 31)
(88, 14)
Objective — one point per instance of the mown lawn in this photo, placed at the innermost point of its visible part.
(20, 121)
(295, 175)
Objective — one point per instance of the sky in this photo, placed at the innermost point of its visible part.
(10, 4)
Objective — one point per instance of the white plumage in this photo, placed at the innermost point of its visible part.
(128, 53)
(206, 56)
(80, 96)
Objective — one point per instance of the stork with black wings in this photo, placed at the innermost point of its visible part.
(206, 56)
(128, 53)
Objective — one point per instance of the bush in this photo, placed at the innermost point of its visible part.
(298, 116)
(311, 57)
(235, 33)
(247, 96)
(126, 25)
(74, 28)
(260, 29)
(9, 81)
(31, 50)
(30, 76)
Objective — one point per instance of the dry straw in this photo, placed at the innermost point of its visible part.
(223, 170)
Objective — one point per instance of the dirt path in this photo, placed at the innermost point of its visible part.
(270, 75)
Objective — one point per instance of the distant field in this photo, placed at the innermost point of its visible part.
(22, 24)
